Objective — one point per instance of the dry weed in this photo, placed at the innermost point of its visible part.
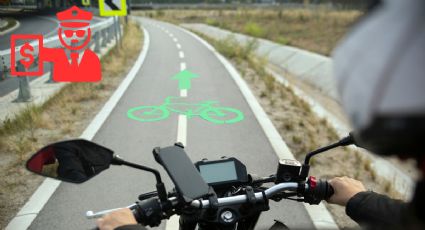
(315, 30)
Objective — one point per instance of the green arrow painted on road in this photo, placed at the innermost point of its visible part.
(184, 78)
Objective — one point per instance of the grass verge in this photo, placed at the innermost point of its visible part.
(316, 30)
(63, 116)
(299, 127)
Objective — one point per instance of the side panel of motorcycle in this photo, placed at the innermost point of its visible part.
(74, 161)
(186, 178)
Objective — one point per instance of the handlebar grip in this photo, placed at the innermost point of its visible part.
(148, 212)
(329, 191)
(318, 191)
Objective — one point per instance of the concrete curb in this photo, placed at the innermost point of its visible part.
(319, 215)
(40, 197)
(16, 26)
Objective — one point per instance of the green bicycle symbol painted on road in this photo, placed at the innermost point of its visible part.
(207, 110)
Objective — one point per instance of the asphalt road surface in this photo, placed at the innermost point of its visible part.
(31, 24)
(44, 24)
(134, 141)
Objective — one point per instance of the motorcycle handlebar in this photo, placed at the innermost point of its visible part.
(150, 211)
(241, 199)
(322, 190)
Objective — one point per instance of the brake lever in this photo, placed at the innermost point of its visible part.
(93, 215)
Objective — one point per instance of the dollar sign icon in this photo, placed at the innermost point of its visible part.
(26, 52)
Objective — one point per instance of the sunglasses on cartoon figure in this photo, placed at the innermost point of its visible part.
(78, 33)
(70, 34)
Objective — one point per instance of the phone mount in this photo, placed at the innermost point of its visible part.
(186, 178)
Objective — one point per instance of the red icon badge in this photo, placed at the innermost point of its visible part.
(27, 53)
(75, 62)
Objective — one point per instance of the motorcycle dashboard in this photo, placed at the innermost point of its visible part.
(223, 172)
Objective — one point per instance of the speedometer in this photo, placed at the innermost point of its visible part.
(222, 173)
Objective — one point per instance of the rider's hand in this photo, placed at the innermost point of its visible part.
(344, 189)
(116, 219)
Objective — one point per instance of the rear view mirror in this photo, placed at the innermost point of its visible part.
(73, 161)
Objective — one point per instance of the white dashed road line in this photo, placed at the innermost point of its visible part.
(173, 222)
(181, 54)
(182, 66)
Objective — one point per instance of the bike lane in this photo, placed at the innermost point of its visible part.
(134, 140)
(244, 140)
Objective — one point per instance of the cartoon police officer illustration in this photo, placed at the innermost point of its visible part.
(74, 34)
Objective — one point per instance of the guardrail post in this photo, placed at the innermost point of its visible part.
(36, 59)
(92, 40)
(116, 30)
(110, 33)
(104, 38)
(97, 42)
(119, 31)
(51, 73)
(3, 70)
(24, 94)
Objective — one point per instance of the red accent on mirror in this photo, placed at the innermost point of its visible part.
(44, 157)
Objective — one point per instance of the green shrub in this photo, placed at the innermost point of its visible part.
(212, 22)
(249, 48)
(252, 28)
(227, 47)
(160, 13)
(283, 40)
(231, 48)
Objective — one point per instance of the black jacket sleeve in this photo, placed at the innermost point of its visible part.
(372, 209)
(131, 227)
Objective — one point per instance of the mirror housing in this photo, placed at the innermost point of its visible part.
(74, 161)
